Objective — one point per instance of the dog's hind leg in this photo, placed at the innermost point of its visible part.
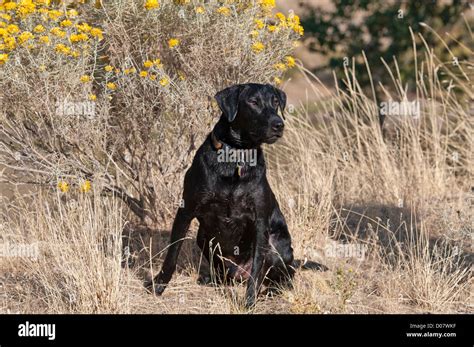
(279, 261)
(279, 258)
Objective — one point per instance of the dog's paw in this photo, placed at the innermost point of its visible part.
(250, 301)
(158, 288)
(250, 304)
(204, 280)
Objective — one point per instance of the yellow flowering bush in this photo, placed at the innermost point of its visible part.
(119, 93)
(21, 20)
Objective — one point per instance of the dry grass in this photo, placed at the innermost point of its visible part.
(78, 269)
(404, 197)
(398, 195)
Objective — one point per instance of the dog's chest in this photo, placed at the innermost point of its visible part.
(233, 204)
(228, 217)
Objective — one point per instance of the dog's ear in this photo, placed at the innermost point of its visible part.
(228, 101)
(281, 96)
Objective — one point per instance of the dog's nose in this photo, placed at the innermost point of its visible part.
(278, 125)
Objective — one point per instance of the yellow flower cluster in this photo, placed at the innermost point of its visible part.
(74, 38)
(273, 24)
(52, 25)
(129, 71)
(258, 47)
(85, 78)
(292, 22)
(173, 43)
(153, 68)
(63, 186)
(148, 64)
(224, 10)
(111, 86)
(152, 4)
(267, 5)
(3, 58)
(84, 187)
(287, 63)
(48, 22)
(24, 37)
(290, 61)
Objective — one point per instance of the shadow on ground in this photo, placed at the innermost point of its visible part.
(144, 250)
(394, 230)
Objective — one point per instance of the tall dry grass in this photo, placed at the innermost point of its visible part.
(396, 191)
(78, 268)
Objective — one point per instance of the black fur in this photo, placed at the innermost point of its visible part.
(240, 223)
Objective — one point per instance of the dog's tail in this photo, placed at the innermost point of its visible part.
(306, 264)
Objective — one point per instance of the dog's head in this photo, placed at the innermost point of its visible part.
(252, 110)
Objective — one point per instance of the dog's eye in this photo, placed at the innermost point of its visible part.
(253, 102)
(275, 102)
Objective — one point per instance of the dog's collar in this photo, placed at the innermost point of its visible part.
(218, 145)
(215, 142)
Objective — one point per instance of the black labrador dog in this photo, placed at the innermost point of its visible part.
(242, 231)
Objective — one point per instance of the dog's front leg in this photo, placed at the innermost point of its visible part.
(257, 272)
(180, 227)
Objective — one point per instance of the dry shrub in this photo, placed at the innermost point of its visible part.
(153, 97)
